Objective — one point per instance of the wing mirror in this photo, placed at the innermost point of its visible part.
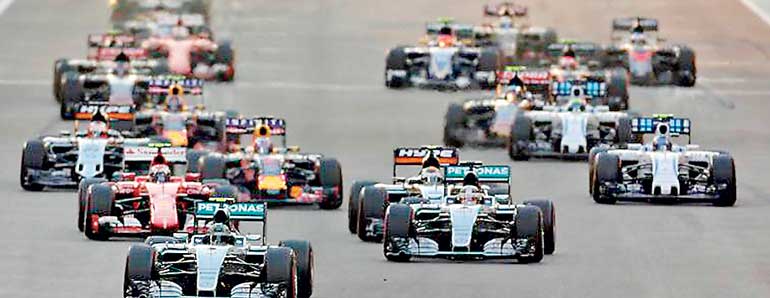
(293, 149)
(181, 237)
(692, 147)
(65, 133)
(253, 238)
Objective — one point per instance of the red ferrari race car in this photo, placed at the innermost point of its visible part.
(194, 55)
(140, 205)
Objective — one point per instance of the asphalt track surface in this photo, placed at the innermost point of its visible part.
(319, 64)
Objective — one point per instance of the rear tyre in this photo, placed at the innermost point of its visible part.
(140, 270)
(101, 199)
(489, 61)
(304, 254)
(330, 177)
(193, 160)
(33, 157)
(398, 230)
(617, 90)
(591, 162)
(723, 172)
(353, 202)
(686, 72)
(607, 170)
(623, 131)
(549, 223)
(528, 224)
(521, 134)
(396, 60)
(453, 120)
(83, 198)
(71, 92)
(281, 268)
(372, 206)
(60, 67)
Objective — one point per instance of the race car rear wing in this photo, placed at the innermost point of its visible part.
(485, 173)
(240, 211)
(108, 40)
(241, 126)
(626, 24)
(505, 9)
(530, 78)
(581, 49)
(87, 110)
(649, 125)
(162, 85)
(589, 87)
(413, 156)
(147, 152)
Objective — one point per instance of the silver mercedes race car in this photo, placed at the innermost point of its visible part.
(470, 222)
(217, 260)
(661, 171)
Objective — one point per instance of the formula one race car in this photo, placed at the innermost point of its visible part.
(661, 171)
(444, 63)
(178, 122)
(637, 47)
(130, 10)
(276, 174)
(517, 40)
(567, 131)
(368, 199)
(489, 121)
(222, 262)
(70, 74)
(139, 205)
(63, 160)
(470, 222)
(193, 54)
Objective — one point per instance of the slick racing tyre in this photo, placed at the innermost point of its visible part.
(528, 224)
(100, 203)
(71, 93)
(453, 121)
(304, 255)
(396, 60)
(591, 162)
(33, 157)
(60, 67)
(521, 133)
(281, 269)
(617, 89)
(83, 198)
(225, 55)
(140, 271)
(353, 202)
(212, 166)
(623, 131)
(372, 206)
(398, 229)
(607, 170)
(686, 72)
(723, 172)
(549, 223)
(489, 61)
(330, 178)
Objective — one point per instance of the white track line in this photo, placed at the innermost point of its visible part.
(762, 14)
(4, 4)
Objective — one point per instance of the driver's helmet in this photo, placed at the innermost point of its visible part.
(174, 103)
(263, 145)
(470, 194)
(431, 176)
(180, 31)
(661, 143)
(568, 63)
(160, 173)
(506, 23)
(638, 39)
(98, 129)
(220, 234)
(122, 65)
(445, 37)
(471, 179)
(576, 105)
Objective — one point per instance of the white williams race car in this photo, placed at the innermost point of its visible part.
(661, 170)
